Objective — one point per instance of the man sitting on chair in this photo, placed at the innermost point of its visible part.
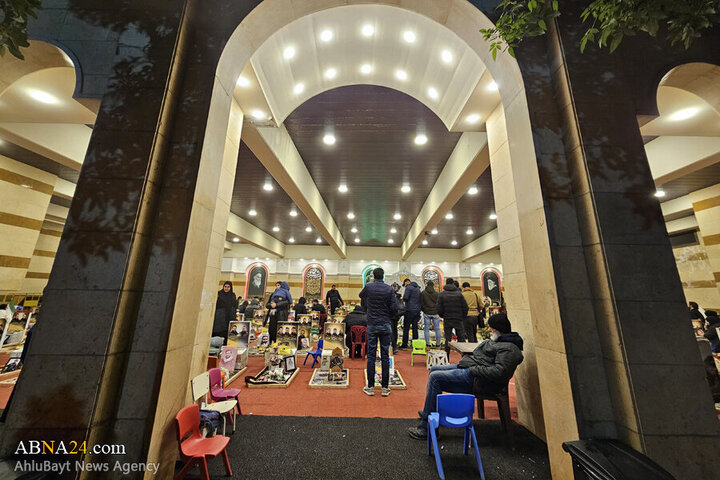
(492, 364)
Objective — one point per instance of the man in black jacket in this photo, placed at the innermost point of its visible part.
(492, 364)
(333, 299)
(411, 297)
(356, 318)
(453, 308)
(317, 306)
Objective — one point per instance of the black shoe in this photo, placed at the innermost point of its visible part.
(420, 413)
(418, 433)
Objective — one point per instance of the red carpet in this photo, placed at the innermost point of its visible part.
(301, 401)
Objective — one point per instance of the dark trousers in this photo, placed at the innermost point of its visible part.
(411, 319)
(334, 307)
(383, 333)
(393, 325)
(459, 332)
(272, 328)
(470, 325)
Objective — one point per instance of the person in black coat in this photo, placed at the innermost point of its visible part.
(713, 322)
(318, 307)
(695, 313)
(357, 317)
(453, 308)
(411, 297)
(225, 308)
(300, 307)
(400, 314)
(333, 299)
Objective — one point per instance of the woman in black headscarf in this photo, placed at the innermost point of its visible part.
(224, 311)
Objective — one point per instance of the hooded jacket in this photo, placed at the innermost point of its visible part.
(412, 297)
(451, 304)
(283, 291)
(429, 301)
(250, 309)
(380, 300)
(493, 363)
(711, 332)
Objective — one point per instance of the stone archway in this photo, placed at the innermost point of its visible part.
(521, 221)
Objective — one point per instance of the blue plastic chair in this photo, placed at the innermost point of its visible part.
(454, 410)
(315, 353)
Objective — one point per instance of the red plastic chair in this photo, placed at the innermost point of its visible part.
(195, 449)
(358, 336)
(220, 394)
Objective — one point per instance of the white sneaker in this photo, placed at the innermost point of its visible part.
(385, 392)
(369, 391)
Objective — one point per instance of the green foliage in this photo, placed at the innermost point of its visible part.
(683, 21)
(14, 16)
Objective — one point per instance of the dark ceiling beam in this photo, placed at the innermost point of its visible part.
(276, 151)
(466, 163)
(249, 233)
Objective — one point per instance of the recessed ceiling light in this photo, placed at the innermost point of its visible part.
(293, 213)
(405, 189)
(331, 73)
(659, 192)
(326, 35)
(390, 240)
(493, 216)
(401, 74)
(43, 97)
(684, 114)
(446, 56)
(299, 88)
(292, 240)
(329, 139)
(236, 239)
(289, 52)
(276, 228)
(357, 240)
(252, 213)
(243, 81)
(469, 231)
(397, 216)
(473, 190)
(449, 216)
(473, 118)
(492, 87)
(432, 93)
(343, 188)
(409, 36)
(318, 240)
(353, 229)
(350, 215)
(308, 228)
(368, 30)
(366, 68)
(453, 243)
(434, 231)
(268, 187)
(258, 115)
(421, 139)
(393, 230)
(424, 242)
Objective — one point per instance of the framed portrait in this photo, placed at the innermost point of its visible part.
(334, 335)
(491, 284)
(256, 280)
(289, 364)
(239, 334)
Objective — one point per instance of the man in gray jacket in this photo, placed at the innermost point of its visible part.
(492, 364)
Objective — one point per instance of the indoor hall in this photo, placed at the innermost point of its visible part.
(308, 143)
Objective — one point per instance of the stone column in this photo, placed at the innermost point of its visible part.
(706, 206)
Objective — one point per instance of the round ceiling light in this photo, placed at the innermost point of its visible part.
(424, 242)
(308, 229)
(421, 139)
(401, 74)
(326, 35)
(473, 118)
(43, 97)
(368, 30)
(236, 239)
(354, 230)
(292, 240)
(473, 190)
(343, 188)
(350, 215)
(397, 216)
(366, 68)
(405, 189)
(409, 36)
(293, 213)
(258, 115)
(299, 88)
(469, 231)
(329, 139)
(289, 53)
(433, 93)
(243, 81)
(393, 230)
(446, 56)
(684, 114)
(331, 73)
(390, 240)
(449, 216)
(660, 193)
(318, 240)
(492, 87)
(453, 243)
(252, 213)
(357, 240)
(268, 187)
(493, 216)
(276, 228)
(433, 231)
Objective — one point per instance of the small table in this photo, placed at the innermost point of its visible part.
(463, 348)
(223, 408)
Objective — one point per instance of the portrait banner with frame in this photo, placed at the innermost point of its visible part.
(334, 336)
(313, 282)
(491, 282)
(239, 334)
(287, 334)
(256, 280)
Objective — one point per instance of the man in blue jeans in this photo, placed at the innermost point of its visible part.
(492, 364)
(379, 299)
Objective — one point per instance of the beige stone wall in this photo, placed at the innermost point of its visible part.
(696, 275)
(706, 205)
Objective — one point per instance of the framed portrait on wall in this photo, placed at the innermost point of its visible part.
(491, 284)
(313, 282)
(256, 280)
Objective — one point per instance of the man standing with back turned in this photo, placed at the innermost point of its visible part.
(381, 308)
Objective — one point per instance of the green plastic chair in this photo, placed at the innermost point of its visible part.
(419, 348)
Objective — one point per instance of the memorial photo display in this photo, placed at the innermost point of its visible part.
(334, 336)
(287, 334)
